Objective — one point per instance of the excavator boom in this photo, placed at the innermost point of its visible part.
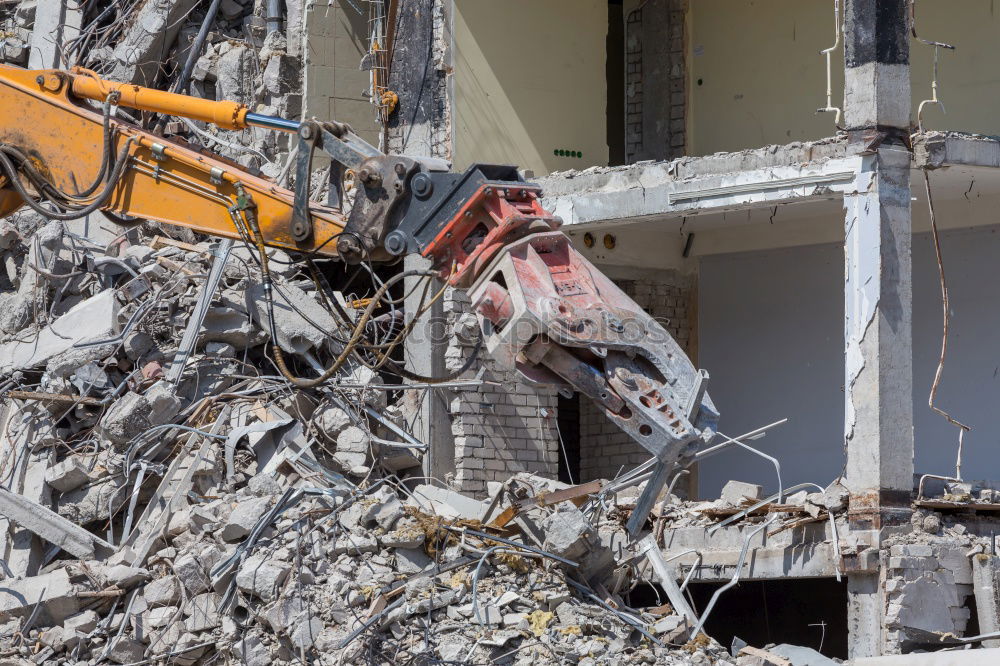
(43, 115)
(544, 309)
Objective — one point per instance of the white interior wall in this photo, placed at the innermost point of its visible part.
(756, 76)
(529, 80)
(770, 334)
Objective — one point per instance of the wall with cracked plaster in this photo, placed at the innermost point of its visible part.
(770, 334)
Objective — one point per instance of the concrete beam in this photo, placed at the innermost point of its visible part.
(941, 149)
(52, 527)
(806, 552)
(625, 195)
(816, 560)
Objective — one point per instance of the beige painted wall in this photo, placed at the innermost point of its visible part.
(530, 79)
(762, 77)
(335, 87)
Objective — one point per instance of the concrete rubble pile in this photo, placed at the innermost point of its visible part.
(168, 495)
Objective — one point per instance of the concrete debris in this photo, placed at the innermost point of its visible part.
(736, 492)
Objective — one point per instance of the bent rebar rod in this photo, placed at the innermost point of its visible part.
(735, 579)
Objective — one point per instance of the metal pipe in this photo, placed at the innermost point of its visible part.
(509, 542)
(920, 485)
(830, 108)
(934, 81)
(274, 16)
(753, 434)
(182, 82)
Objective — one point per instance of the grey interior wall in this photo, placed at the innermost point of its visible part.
(771, 335)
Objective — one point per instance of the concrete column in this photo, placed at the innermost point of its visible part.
(424, 352)
(421, 127)
(865, 610)
(878, 423)
(878, 357)
(986, 587)
(56, 22)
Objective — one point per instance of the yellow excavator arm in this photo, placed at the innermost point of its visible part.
(46, 120)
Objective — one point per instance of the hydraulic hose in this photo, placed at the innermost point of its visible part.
(109, 188)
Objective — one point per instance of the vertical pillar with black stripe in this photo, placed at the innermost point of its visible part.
(878, 385)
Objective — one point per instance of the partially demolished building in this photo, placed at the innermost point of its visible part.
(168, 496)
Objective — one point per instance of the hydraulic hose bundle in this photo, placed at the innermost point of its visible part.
(64, 205)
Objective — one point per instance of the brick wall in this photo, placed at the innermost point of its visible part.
(503, 427)
(604, 448)
(655, 81)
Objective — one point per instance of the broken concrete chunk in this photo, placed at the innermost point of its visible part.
(285, 613)
(150, 34)
(125, 577)
(734, 492)
(261, 576)
(411, 560)
(353, 440)
(93, 319)
(126, 651)
(67, 475)
(163, 616)
(202, 612)
(446, 503)
(83, 623)
(89, 503)
(355, 544)
(569, 534)
(53, 592)
(163, 404)
(389, 512)
(243, 518)
(162, 591)
(304, 635)
(126, 419)
(192, 574)
(189, 648)
(797, 499)
(296, 334)
(227, 325)
(331, 421)
(751, 656)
